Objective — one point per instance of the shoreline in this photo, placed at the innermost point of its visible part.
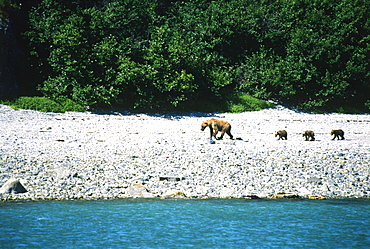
(91, 156)
(176, 198)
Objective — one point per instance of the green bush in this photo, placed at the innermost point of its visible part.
(240, 102)
(227, 101)
(314, 54)
(44, 104)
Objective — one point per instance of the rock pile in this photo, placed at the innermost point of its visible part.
(124, 155)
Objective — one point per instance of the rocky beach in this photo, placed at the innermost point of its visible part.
(84, 155)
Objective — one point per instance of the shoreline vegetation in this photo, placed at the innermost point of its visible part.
(229, 101)
(85, 155)
(166, 54)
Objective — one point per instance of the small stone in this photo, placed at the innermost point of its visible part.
(316, 197)
(138, 190)
(169, 178)
(285, 195)
(174, 194)
(211, 141)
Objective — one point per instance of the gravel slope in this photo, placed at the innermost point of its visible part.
(120, 155)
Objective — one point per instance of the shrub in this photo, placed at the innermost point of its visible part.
(227, 101)
(44, 104)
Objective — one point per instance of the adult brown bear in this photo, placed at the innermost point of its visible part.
(216, 125)
(337, 134)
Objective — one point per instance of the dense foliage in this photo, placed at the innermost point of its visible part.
(145, 53)
(43, 104)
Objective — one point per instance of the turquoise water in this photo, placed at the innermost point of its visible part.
(231, 223)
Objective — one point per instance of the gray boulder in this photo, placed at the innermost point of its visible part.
(12, 185)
